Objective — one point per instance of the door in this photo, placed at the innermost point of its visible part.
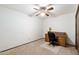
(77, 29)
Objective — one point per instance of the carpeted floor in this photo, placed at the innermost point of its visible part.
(60, 50)
(39, 48)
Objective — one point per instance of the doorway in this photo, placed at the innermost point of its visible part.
(77, 29)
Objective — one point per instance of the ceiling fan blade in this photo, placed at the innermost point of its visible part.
(37, 14)
(47, 14)
(51, 8)
(35, 8)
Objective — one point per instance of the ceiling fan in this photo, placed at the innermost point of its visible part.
(43, 10)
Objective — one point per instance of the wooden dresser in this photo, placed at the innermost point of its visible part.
(61, 36)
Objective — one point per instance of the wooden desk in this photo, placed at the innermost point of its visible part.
(61, 36)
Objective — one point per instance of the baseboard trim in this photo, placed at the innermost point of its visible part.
(20, 45)
(71, 45)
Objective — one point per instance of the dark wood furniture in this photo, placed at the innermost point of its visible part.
(61, 36)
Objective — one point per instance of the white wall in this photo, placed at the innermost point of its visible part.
(17, 28)
(62, 23)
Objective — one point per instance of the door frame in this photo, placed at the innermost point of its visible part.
(76, 26)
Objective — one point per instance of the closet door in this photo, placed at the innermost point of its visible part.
(77, 29)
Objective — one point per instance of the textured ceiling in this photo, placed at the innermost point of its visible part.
(59, 9)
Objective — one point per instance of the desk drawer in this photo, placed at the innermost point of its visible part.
(62, 41)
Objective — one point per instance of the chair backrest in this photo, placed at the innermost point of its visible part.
(51, 35)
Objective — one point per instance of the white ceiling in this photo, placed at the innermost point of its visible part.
(28, 8)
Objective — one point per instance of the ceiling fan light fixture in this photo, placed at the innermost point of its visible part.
(42, 14)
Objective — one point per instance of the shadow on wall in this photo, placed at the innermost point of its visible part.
(69, 41)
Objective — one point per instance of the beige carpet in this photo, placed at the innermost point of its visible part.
(39, 48)
(54, 49)
(59, 50)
